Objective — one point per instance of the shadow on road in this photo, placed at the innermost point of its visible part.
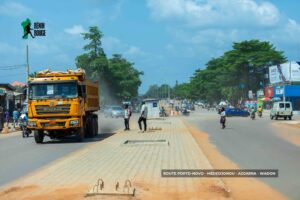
(98, 138)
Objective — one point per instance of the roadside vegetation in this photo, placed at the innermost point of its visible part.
(229, 76)
(118, 78)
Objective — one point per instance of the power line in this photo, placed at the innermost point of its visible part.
(12, 74)
(6, 67)
(12, 68)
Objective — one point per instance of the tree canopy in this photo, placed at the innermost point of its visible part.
(118, 78)
(231, 75)
(237, 71)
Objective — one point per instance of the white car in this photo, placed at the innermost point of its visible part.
(200, 104)
(282, 109)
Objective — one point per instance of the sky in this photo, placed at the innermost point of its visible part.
(166, 39)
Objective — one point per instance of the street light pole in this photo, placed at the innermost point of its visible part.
(27, 72)
(27, 63)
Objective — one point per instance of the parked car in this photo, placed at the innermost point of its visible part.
(191, 106)
(107, 111)
(200, 104)
(282, 109)
(117, 111)
(236, 112)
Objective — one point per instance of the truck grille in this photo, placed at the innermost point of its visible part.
(59, 109)
(46, 124)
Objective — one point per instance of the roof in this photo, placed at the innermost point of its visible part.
(7, 86)
(17, 83)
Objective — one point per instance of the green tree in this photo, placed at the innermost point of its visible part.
(124, 79)
(152, 92)
(182, 91)
(118, 78)
(244, 65)
(94, 62)
(32, 75)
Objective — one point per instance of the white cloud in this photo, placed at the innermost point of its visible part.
(8, 49)
(75, 30)
(214, 13)
(117, 9)
(10, 8)
(95, 17)
(114, 45)
(292, 28)
(207, 28)
(135, 51)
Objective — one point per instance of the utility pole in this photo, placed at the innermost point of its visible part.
(27, 72)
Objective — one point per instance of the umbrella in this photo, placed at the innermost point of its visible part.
(266, 99)
(222, 103)
(276, 99)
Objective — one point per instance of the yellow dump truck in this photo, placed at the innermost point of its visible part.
(62, 104)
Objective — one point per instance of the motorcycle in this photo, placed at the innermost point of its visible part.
(163, 113)
(252, 115)
(23, 126)
(260, 114)
(185, 112)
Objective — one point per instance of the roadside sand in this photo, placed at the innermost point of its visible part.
(288, 132)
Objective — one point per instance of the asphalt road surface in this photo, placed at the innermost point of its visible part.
(254, 145)
(20, 156)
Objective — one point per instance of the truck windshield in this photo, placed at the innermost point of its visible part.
(53, 90)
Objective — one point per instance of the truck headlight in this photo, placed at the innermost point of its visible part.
(74, 122)
(32, 124)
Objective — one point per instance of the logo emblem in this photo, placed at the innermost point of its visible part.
(27, 28)
(38, 30)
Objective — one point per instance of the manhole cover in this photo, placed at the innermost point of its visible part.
(146, 142)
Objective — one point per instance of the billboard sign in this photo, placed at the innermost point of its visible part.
(269, 92)
(295, 72)
(289, 72)
(279, 91)
(274, 75)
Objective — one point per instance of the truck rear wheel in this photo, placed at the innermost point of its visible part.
(79, 134)
(89, 127)
(39, 137)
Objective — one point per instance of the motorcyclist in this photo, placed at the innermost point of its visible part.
(23, 124)
(223, 117)
(260, 110)
(163, 112)
(253, 113)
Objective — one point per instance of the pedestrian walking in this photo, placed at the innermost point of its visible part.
(6, 117)
(1, 118)
(15, 117)
(127, 115)
(143, 117)
(223, 117)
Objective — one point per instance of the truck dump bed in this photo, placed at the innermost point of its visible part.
(92, 96)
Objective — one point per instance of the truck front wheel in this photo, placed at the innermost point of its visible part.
(39, 137)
